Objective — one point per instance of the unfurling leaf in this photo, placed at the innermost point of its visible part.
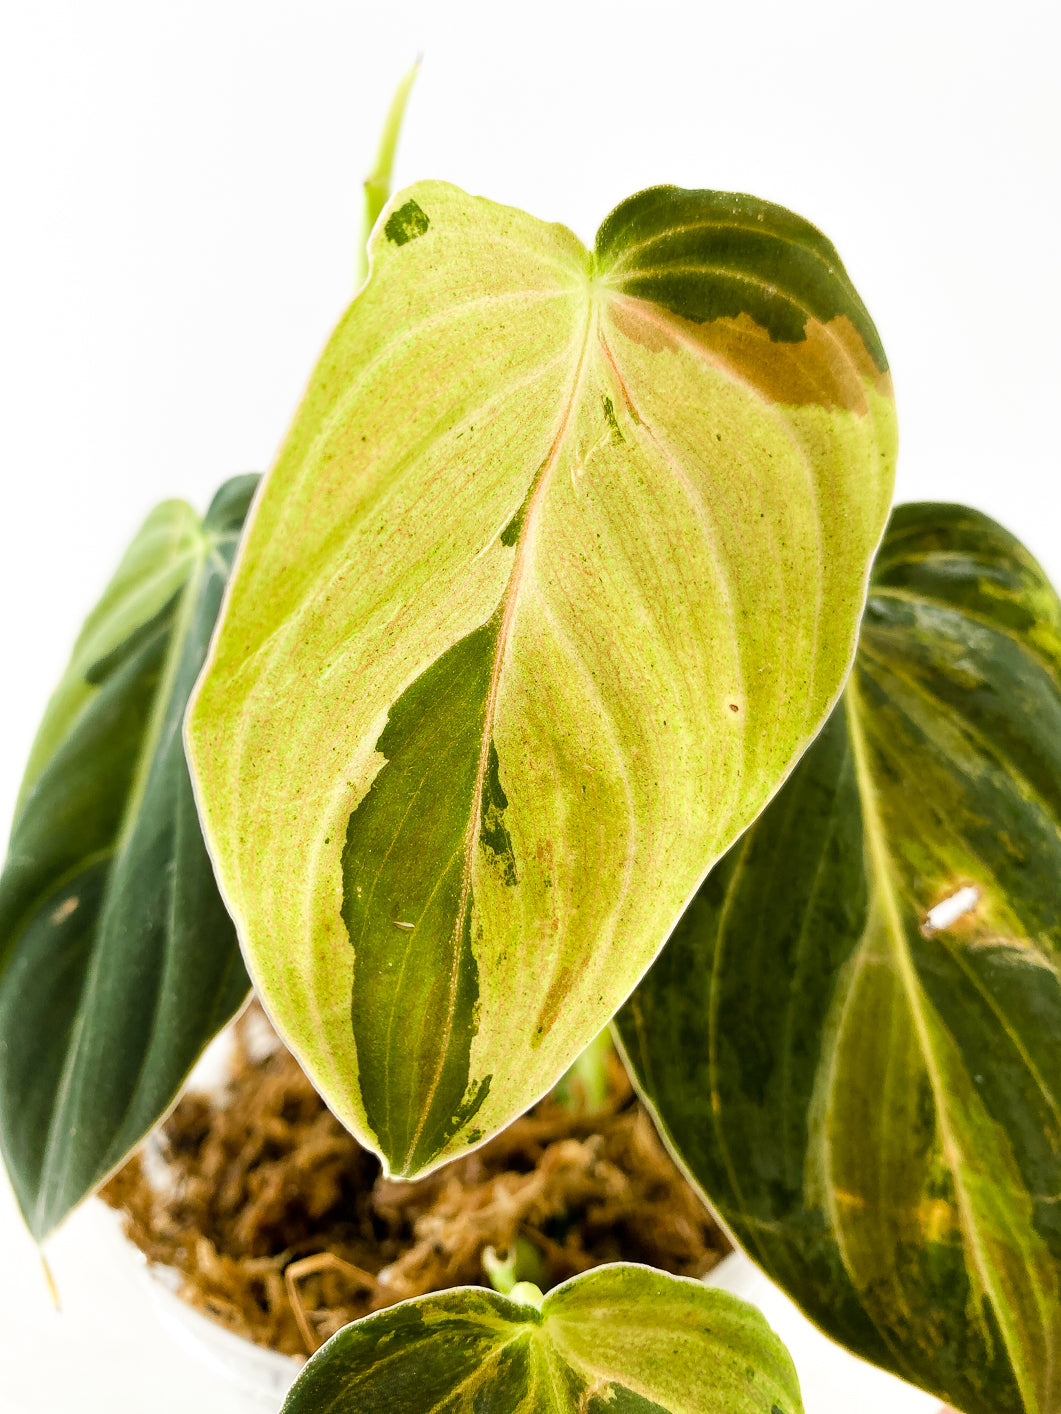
(852, 1038)
(557, 574)
(118, 961)
(378, 182)
(618, 1340)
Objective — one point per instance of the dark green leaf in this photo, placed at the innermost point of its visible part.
(619, 1340)
(118, 961)
(852, 1038)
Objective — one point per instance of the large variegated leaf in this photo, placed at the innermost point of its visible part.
(558, 572)
(619, 1340)
(118, 962)
(853, 1038)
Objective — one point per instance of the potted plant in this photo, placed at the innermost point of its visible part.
(535, 656)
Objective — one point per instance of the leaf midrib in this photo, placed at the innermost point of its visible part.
(883, 870)
(1020, 780)
(159, 708)
(52, 1174)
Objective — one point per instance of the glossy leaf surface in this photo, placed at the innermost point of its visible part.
(618, 1340)
(557, 573)
(853, 1039)
(118, 962)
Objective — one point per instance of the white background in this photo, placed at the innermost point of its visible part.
(178, 228)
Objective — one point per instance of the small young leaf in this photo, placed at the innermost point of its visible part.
(118, 961)
(851, 1039)
(378, 182)
(619, 1340)
(558, 573)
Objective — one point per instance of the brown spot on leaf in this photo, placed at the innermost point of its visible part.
(828, 367)
(63, 912)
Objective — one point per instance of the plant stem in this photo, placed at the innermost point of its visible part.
(584, 1087)
(378, 181)
(522, 1266)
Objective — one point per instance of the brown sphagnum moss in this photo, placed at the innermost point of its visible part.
(256, 1182)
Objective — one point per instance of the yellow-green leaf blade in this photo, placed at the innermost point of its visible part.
(644, 1340)
(619, 1340)
(454, 750)
(851, 1039)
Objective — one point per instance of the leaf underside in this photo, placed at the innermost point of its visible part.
(851, 1039)
(118, 961)
(618, 1340)
(558, 572)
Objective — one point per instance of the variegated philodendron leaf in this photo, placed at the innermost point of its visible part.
(118, 962)
(853, 1039)
(618, 1340)
(558, 572)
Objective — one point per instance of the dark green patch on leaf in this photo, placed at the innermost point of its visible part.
(395, 873)
(406, 224)
(511, 533)
(611, 420)
(616, 1399)
(707, 255)
(492, 830)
